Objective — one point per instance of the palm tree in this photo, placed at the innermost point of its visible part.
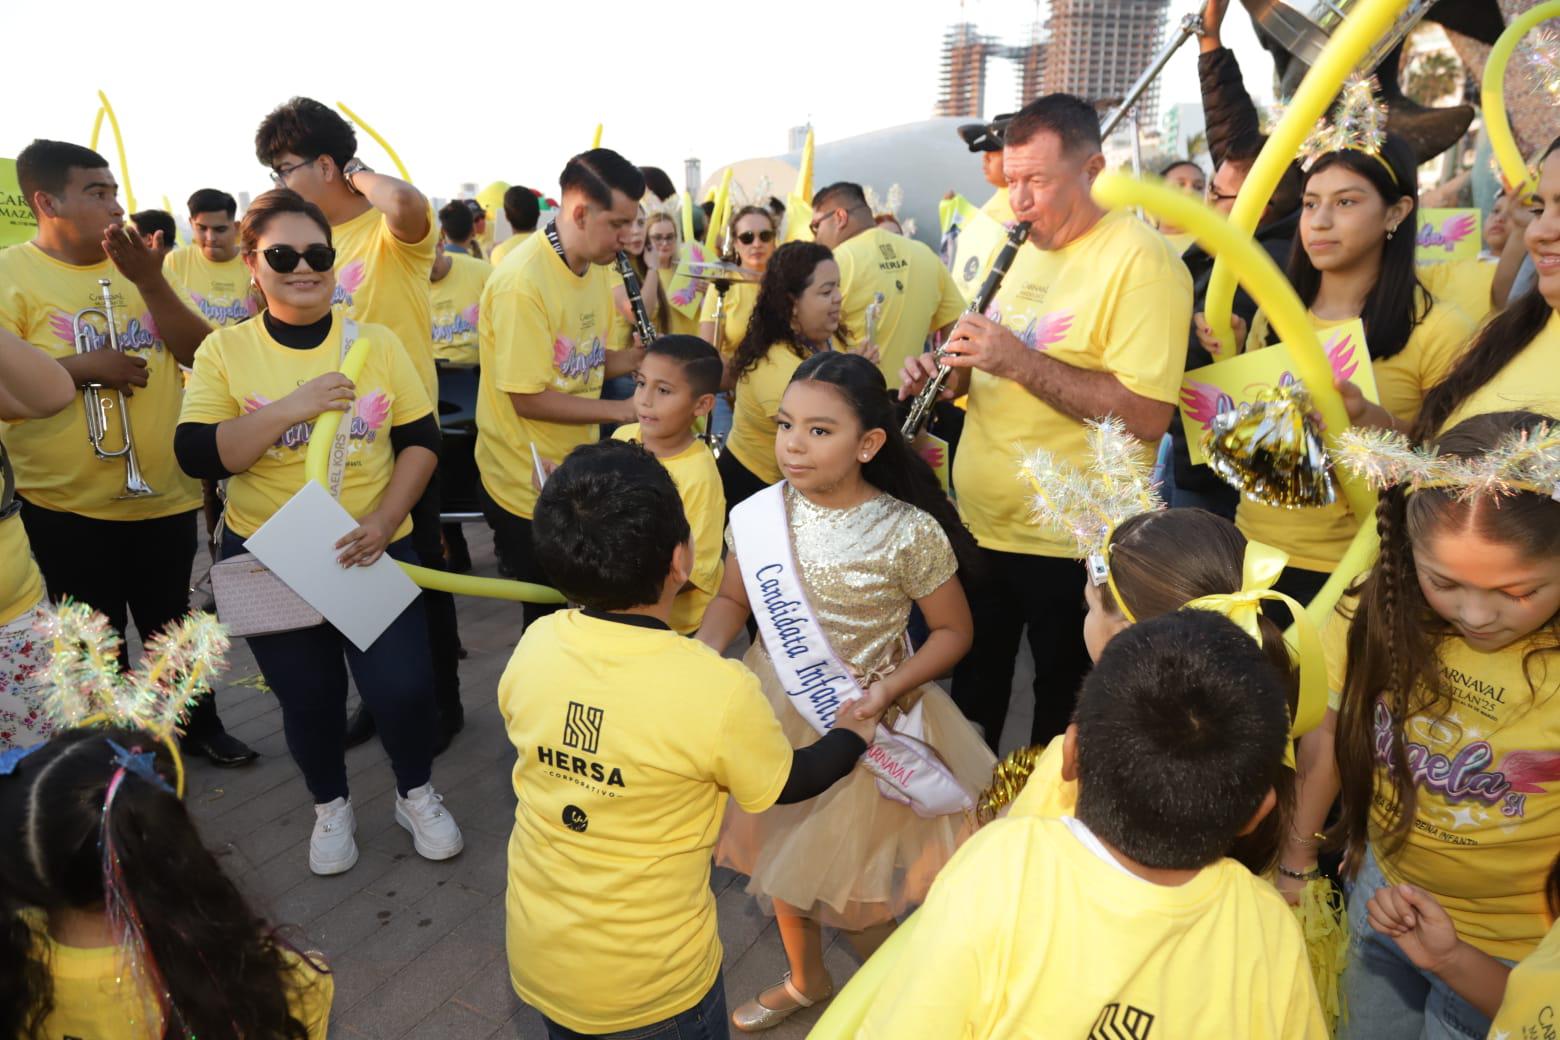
(1432, 76)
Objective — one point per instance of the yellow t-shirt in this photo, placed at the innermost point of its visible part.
(631, 740)
(1045, 793)
(1529, 382)
(542, 327)
(704, 502)
(21, 586)
(455, 300)
(919, 295)
(1316, 539)
(243, 369)
(220, 292)
(507, 246)
(1028, 933)
(1488, 783)
(753, 425)
(1531, 1008)
(1000, 208)
(90, 1003)
(740, 298)
(1466, 283)
(1117, 301)
(382, 280)
(1181, 242)
(54, 463)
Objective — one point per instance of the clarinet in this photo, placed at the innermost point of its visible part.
(921, 407)
(642, 323)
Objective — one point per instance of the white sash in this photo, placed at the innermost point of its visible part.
(816, 682)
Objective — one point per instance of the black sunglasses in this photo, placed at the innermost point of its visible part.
(747, 237)
(284, 259)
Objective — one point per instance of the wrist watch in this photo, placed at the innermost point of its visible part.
(354, 166)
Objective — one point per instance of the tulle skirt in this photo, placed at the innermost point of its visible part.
(852, 858)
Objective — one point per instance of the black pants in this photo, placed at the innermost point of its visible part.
(1014, 590)
(307, 670)
(737, 481)
(512, 542)
(443, 631)
(124, 569)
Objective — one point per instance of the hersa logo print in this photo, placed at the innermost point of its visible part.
(575, 819)
(1122, 1023)
(582, 727)
(887, 250)
(581, 732)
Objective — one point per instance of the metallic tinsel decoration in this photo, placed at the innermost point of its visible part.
(1007, 780)
(1271, 450)
(1526, 460)
(1358, 122)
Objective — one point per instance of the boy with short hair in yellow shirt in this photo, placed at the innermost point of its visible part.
(676, 384)
(631, 740)
(1126, 917)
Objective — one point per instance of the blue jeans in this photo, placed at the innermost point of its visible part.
(706, 1020)
(720, 418)
(307, 670)
(1387, 998)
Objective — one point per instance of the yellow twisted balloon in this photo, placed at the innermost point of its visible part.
(1492, 97)
(595, 142)
(1353, 40)
(316, 467)
(718, 214)
(1273, 293)
(119, 144)
(371, 132)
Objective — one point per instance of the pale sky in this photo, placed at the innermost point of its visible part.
(719, 80)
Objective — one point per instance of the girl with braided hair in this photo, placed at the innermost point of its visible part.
(1445, 725)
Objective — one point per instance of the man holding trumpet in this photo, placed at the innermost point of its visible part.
(110, 516)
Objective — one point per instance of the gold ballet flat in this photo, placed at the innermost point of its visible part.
(754, 1017)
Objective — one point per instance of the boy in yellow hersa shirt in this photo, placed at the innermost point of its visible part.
(675, 385)
(631, 740)
(1125, 919)
(209, 270)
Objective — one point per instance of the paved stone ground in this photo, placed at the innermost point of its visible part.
(417, 947)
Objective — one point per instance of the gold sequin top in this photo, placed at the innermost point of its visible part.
(863, 568)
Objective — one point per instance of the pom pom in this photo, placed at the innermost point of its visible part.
(1271, 450)
(1325, 927)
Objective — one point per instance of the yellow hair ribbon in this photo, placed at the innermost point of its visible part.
(371, 132)
(1492, 98)
(1259, 571)
(119, 144)
(1365, 25)
(316, 468)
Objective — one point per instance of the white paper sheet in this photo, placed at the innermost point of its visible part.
(298, 543)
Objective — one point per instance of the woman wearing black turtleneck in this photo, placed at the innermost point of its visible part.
(248, 414)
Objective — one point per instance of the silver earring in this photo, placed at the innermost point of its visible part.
(1390, 232)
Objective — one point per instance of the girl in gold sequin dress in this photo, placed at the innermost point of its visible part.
(872, 534)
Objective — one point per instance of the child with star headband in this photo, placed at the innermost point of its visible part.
(1445, 726)
(115, 920)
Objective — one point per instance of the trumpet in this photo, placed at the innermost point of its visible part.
(97, 403)
(921, 406)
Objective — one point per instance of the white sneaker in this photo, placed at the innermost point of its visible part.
(331, 848)
(434, 833)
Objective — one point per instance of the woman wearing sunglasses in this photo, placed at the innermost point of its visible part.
(249, 409)
(752, 242)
